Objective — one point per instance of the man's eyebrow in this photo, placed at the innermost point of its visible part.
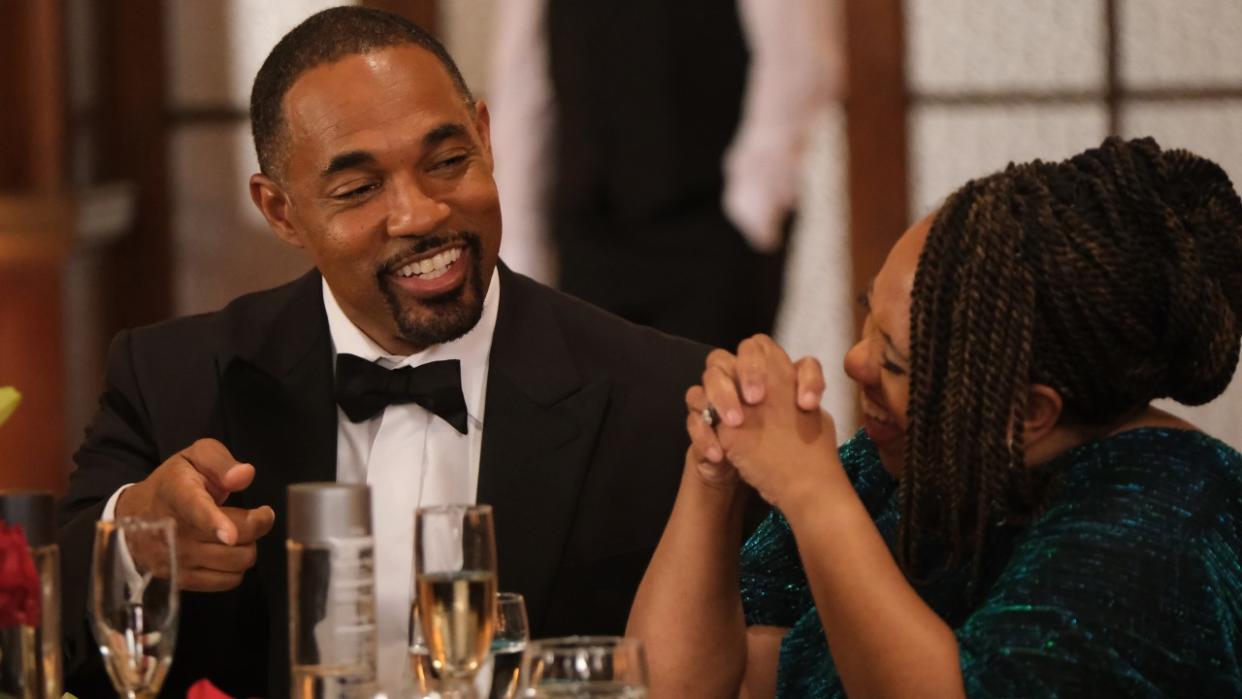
(442, 133)
(345, 161)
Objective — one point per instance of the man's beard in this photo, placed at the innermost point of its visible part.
(446, 317)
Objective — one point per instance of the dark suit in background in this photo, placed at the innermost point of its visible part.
(584, 438)
(648, 95)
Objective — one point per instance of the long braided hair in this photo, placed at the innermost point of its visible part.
(1114, 277)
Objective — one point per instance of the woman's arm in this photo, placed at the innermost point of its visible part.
(885, 641)
(688, 610)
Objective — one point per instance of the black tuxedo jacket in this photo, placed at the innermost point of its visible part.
(582, 453)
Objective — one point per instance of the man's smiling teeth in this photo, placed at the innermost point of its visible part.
(431, 267)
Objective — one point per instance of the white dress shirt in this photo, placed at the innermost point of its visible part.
(411, 458)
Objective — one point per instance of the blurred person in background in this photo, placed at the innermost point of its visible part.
(651, 152)
(1016, 518)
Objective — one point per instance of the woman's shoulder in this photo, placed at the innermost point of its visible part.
(1148, 474)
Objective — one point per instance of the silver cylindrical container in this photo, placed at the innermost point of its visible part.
(332, 640)
(30, 650)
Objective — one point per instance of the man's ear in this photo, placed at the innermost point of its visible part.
(483, 124)
(273, 203)
(1043, 412)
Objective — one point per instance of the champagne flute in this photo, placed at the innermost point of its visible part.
(498, 677)
(455, 578)
(134, 602)
(584, 667)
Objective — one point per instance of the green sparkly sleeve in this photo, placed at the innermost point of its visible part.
(774, 588)
(1132, 587)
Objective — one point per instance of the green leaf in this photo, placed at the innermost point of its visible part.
(9, 399)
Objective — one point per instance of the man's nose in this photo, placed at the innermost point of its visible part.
(411, 211)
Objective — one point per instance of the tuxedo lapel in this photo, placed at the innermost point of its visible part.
(540, 429)
(277, 413)
(276, 396)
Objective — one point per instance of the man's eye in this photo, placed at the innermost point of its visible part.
(354, 193)
(452, 162)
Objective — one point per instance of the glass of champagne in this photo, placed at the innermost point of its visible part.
(455, 580)
(584, 667)
(134, 602)
(498, 678)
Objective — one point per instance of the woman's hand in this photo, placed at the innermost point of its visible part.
(730, 383)
(781, 448)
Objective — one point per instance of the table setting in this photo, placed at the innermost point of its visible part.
(467, 639)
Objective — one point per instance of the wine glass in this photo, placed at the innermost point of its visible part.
(508, 642)
(455, 583)
(134, 602)
(584, 667)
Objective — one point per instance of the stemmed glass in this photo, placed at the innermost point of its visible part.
(584, 667)
(498, 677)
(455, 579)
(134, 602)
(510, 638)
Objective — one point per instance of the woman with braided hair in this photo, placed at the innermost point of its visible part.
(1015, 518)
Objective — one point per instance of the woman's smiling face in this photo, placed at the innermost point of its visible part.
(880, 361)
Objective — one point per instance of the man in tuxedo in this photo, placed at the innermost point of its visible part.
(375, 159)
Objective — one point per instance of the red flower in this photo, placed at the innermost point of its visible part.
(204, 689)
(19, 583)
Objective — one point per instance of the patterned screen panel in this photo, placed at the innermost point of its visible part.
(952, 144)
(1005, 45)
(1186, 43)
(1211, 128)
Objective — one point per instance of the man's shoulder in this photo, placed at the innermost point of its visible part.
(237, 321)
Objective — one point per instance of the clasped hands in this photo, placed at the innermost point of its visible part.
(215, 543)
(771, 432)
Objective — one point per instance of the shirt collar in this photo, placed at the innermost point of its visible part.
(472, 349)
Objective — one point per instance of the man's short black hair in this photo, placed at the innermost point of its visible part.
(326, 37)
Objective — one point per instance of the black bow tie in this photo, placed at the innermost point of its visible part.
(364, 389)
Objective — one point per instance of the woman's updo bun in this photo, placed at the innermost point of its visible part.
(1114, 277)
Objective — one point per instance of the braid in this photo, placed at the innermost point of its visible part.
(1114, 278)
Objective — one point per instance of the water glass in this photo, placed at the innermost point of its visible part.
(508, 643)
(584, 667)
(134, 602)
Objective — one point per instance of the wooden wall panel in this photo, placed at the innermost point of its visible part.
(33, 122)
(133, 147)
(34, 243)
(876, 131)
(35, 220)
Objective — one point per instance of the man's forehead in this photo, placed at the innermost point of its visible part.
(405, 75)
(367, 92)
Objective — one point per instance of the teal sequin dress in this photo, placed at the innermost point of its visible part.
(1130, 584)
